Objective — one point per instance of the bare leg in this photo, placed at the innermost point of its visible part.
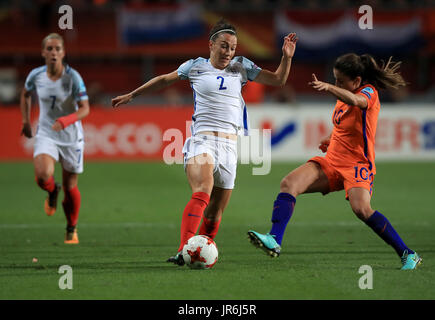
(308, 178)
(44, 167)
(44, 170)
(213, 213)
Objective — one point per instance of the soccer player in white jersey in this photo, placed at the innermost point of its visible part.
(63, 102)
(210, 155)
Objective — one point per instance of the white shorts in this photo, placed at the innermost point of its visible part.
(71, 157)
(222, 150)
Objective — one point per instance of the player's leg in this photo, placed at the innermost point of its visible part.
(44, 171)
(71, 205)
(71, 159)
(213, 213)
(199, 171)
(224, 177)
(307, 178)
(359, 199)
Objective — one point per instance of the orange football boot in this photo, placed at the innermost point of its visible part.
(71, 237)
(50, 203)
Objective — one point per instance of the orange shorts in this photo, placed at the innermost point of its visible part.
(356, 175)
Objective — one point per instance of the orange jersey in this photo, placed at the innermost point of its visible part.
(353, 137)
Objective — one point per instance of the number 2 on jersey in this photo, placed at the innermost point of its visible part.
(221, 87)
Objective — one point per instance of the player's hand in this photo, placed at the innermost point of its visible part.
(289, 46)
(324, 144)
(27, 130)
(318, 85)
(57, 126)
(124, 99)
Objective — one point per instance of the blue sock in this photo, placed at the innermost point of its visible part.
(282, 212)
(385, 230)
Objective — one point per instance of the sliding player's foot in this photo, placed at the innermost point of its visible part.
(266, 242)
(410, 261)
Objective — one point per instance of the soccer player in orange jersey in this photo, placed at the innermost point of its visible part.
(349, 163)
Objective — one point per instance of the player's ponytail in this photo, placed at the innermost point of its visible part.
(365, 66)
(386, 76)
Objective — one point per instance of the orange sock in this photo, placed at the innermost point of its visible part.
(192, 215)
(209, 228)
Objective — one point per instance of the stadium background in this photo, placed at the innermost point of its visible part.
(118, 45)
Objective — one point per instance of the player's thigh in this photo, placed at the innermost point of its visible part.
(44, 166)
(219, 200)
(307, 178)
(359, 200)
(71, 157)
(199, 171)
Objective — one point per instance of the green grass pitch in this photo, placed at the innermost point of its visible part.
(129, 225)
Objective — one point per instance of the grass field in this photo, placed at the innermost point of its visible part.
(129, 226)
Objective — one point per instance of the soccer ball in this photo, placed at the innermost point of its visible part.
(200, 252)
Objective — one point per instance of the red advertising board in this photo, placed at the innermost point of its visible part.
(110, 134)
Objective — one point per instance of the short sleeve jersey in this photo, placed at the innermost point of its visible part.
(217, 94)
(57, 99)
(353, 135)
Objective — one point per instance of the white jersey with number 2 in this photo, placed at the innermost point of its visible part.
(57, 99)
(217, 94)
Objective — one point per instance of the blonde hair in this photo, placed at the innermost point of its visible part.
(52, 36)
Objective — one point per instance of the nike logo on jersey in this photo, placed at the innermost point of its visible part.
(199, 72)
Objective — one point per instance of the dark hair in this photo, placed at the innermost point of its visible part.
(365, 66)
(222, 24)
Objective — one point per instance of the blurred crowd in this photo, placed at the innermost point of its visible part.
(261, 5)
(45, 10)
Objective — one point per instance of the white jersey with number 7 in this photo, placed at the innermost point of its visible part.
(57, 99)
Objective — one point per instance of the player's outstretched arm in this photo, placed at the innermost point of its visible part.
(25, 106)
(81, 113)
(279, 77)
(344, 95)
(154, 84)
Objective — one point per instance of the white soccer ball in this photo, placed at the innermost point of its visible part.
(200, 252)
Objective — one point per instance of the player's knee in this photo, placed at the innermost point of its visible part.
(288, 185)
(204, 186)
(362, 211)
(42, 177)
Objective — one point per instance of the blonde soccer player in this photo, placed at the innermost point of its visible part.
(63, 103)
